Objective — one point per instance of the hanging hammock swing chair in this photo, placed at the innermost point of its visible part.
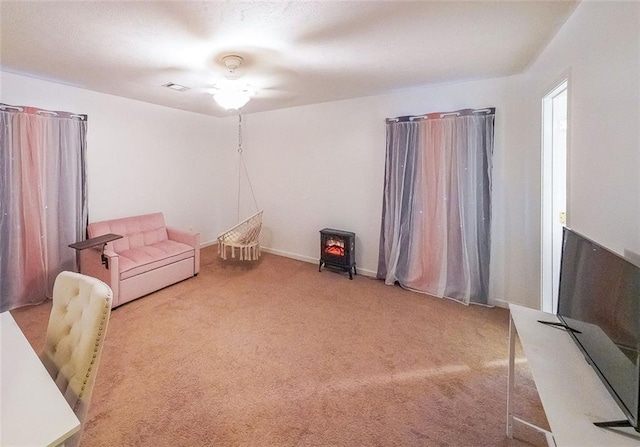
(244, 236)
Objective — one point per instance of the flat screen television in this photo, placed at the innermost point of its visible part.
(599, 305)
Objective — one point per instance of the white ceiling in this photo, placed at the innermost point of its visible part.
(295, 53)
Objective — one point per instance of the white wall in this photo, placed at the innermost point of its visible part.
(323, 166)
(141, 157)
(311, 167)
(599, 48)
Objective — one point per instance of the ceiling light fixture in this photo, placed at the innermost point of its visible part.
(231, 97)
(231, 94)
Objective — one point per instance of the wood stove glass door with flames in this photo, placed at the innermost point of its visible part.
(337, 249)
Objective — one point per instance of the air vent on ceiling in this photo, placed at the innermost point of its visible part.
(177, 87)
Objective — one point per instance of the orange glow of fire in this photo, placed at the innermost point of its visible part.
(335, 250)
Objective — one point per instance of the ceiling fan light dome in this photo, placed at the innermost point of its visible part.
(231, 99)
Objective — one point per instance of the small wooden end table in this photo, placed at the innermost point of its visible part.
(94, 242)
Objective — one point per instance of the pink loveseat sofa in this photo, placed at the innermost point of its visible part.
(148, 257)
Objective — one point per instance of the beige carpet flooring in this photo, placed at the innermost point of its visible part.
(275, 353)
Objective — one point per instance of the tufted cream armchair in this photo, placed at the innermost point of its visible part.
(75, 335)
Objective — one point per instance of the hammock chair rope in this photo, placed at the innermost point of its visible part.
(245, 236)
(242, 168)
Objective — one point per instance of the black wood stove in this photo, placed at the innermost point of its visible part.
(338, 250)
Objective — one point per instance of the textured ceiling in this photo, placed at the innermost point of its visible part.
(295, 53)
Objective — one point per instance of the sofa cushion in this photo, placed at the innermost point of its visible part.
(135, 261)
(136, 231)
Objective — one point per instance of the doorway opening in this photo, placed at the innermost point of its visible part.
(554, 190)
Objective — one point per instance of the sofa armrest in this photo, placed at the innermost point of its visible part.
(184, 236)
(190, 238)
(91, 265)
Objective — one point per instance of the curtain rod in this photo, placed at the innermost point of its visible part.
(4, 107)
(42, 111)
(438, 115)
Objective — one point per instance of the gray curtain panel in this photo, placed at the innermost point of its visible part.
(436, 219)
(43, 200)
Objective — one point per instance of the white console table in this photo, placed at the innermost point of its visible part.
(571, 393)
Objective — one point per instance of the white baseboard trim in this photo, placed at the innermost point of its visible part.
(295, 256)
(311, 260)
(287, 254)
(499, 303)
(316, 261)
(368, 273)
